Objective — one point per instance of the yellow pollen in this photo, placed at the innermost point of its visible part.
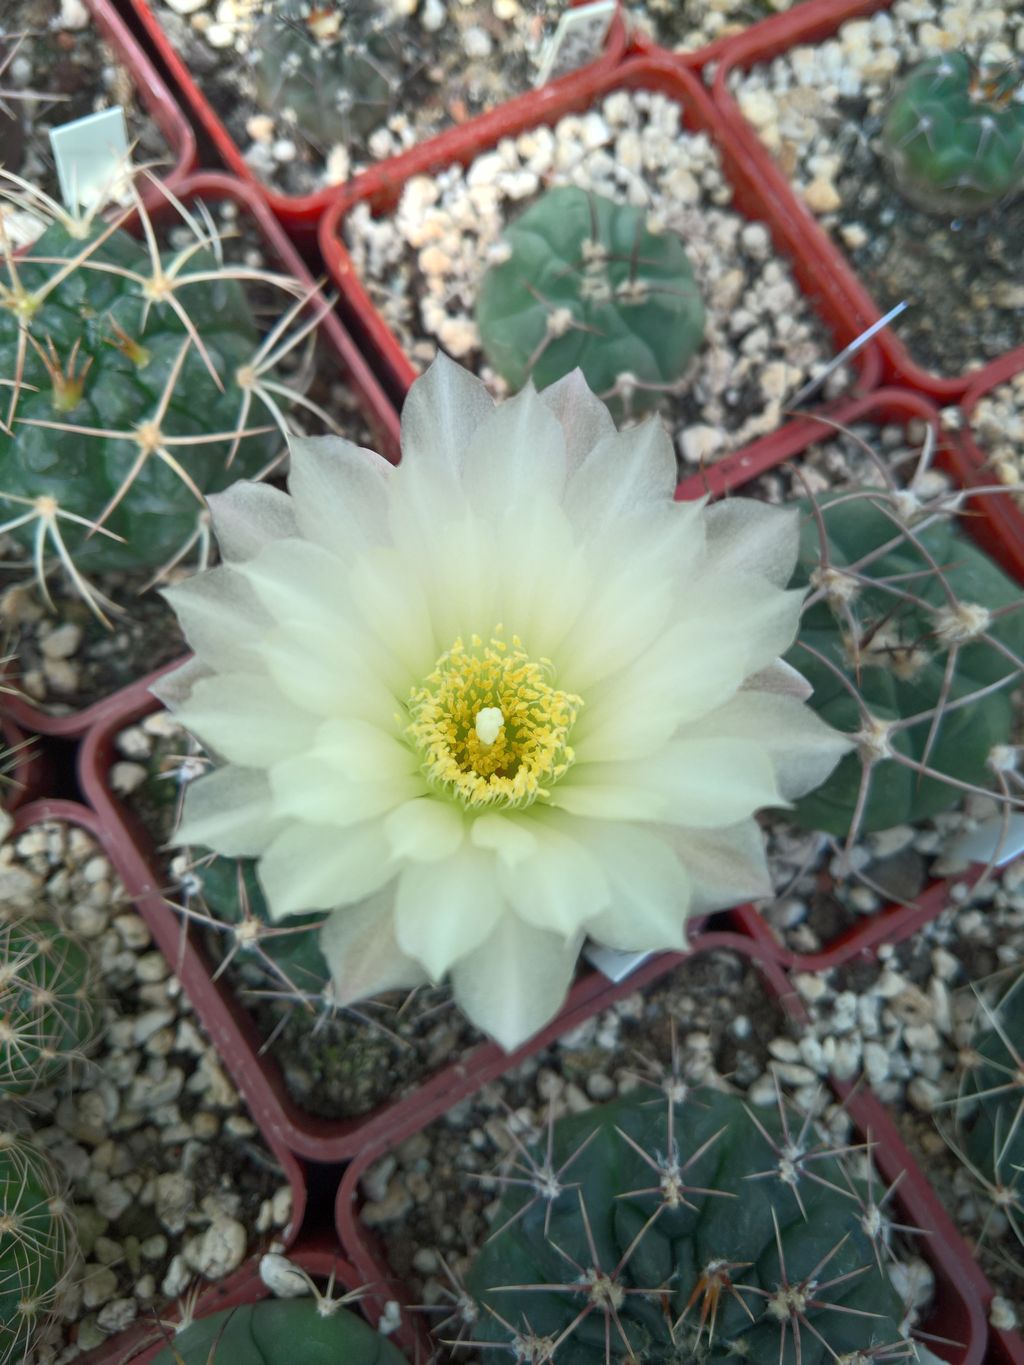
(489, 726)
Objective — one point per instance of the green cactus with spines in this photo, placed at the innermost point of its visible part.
(334, 68)
(230, 892)
(954, 134)
(96, 341)
(49, 1003)
(903, 641)
(686, 1230)
(37, 1243)
(585, 282)
(281, 1332)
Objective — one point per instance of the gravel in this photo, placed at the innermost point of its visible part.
(686, 25)
(997, 424)
(169, 1178)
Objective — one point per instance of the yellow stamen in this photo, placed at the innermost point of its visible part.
(489, 725)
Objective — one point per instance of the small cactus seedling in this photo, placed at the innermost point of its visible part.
(281, 1332)
(954, 134)
(913, 641)
(49, 1012)
(36, 1243)
(331, 68)
(585, 282)
(129, 377)
(693, 1229)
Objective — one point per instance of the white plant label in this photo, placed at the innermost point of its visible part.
(994, 841)
(92, 156)
(577, 40)
(615, 964)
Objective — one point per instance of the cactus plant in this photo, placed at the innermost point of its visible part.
(36, 1243)
(954, 134)
(49, 1015)
(280, 1332)
(586, 282)
(332, 68)
(912, 640)
(128, 379)
(687, 1229)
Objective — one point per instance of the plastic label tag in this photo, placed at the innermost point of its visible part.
(92, 156)
(992, 842)
(577, 40)
(615, 965)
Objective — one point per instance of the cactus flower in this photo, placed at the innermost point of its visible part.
(501, 698)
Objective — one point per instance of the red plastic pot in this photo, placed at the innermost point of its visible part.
(152, 91)
(808, 24)
(720, 49)
(381, 186)
(301, 214)
(374, 405)
(961, 1291)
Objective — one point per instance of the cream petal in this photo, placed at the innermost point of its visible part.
(443, 409)
(426, 829)
(340, 493)
(516, 455)
(359, 945)
(246, 516)
(561, 885)
(328, 675)
(583, 417)
(363, 752)
(220, 615)
(391, 602)
(175, 688)
(308, 788)
(780, 677)
(298, 582)
(531, 554)
(623, 472)
(504, 835)
(460, 583)
(650, 888)
(726, 866)
(802, 748)
(516, 980)
(750, 537)
(443, 910)
(317, 867)
(229, 810)
(246, 719)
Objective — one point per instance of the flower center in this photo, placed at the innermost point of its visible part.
(489, 725)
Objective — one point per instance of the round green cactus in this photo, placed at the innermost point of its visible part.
(116, 425)
(49, 1009)
(911, 633)
(332, 68)
(954, 134)
(281, 1332)
(586, 283)
(36, 1243)
(687, 1230)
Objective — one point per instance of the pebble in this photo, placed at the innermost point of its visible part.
(99, 1283)
(61, 642)
(220, 1250)
(73, 14)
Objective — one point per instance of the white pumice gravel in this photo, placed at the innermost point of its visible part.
(423, 264)
(997, 424)
(687, 25)
(164, 1189)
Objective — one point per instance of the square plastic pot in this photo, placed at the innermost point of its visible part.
(808, 24)
(380, 188)
(961, 1291)
(301, 214)
(186, 966)
(376, 408)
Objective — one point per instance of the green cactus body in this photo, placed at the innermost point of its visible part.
(281, 1332)
(333, 67)
(36, 1243)
(49, 1011)
(102, 359)
(894, 648)
(686, 1232)
(954, 135)
(231, 893)
(586, 283)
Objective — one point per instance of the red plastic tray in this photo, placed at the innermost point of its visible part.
(301, 214)
(805, 24)
(381, 186)
(961, 1291)
(153, 92)
(380, 414)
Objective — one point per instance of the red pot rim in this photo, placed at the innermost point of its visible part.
(300, 213)
(812, 23)
(380, 186)
(159, 101)
(373, 403)
(962, 1292)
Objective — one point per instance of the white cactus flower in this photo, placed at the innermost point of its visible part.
(502, 697)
